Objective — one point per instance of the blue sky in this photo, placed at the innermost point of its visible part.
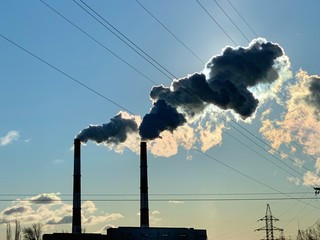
(42, 110)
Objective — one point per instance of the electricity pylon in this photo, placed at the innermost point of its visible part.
(269, 228)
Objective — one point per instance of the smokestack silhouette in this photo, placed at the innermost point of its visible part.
(76, 212)
(144, 208)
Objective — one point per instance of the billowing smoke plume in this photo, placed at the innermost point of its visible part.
(225, 84)
(161, 117)
(229, 76)
(116, 131)
(191, 94)
(246, 66)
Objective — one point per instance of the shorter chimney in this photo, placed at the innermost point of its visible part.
(144, 208)
(76, 211)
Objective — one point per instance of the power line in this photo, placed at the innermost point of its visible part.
(247, 146)
(213, 19)
(186, 87)
(65, 74)
(98, 42)
(155, 194)
(239, 172)
(276, 150)
(247, 176)
(298, 214)
(242, 18)
(164, 200)
(126, 40)
(282, 162)
(171, 33)
(231, 20)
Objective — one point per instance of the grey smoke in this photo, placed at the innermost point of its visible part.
(246, 66)
(185, 93)
(236, 69)
(116, 131)
(161, 117)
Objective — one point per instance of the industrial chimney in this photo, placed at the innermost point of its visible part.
(76, 212)
(144, 208)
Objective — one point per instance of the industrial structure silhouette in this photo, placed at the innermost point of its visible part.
(269, 228)
(122, 233)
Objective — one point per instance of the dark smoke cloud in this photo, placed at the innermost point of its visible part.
(116, 131)
(188, 93)
(236, 69)
(161, 117)
(229, 75)
(246, 66)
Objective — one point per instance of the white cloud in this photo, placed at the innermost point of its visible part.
(294, 180)
(210, 137)
(154, 217)
(299, 123)
(93, 220)
(9, 138)
(52, 212)
(317, 165)
(89, 206)
(175, 202)
(311, 179)
(298, 162)
(58, 161)
(168, 144)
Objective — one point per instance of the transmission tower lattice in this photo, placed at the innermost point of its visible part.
(269, 228)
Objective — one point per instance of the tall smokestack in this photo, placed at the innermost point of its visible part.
(76, 213)
(144, 208)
